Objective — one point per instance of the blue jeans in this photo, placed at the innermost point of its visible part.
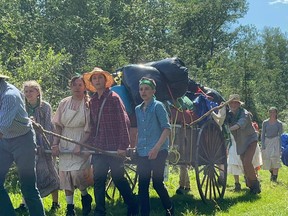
(22, 151)
(145, 167)
(101, 166)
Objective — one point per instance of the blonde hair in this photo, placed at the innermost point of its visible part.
(33, 84)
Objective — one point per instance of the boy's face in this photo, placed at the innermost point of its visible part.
(146, 92)
(98, 81)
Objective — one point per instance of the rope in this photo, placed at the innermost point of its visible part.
(42, 131)
(174, 155)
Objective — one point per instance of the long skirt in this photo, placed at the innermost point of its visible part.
(235, 166)
(47, 176)
(272, 153)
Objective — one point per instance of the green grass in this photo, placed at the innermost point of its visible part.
(272, 201)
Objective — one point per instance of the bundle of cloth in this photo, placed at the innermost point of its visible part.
(284, 147)
(170, 75)
(185, 99)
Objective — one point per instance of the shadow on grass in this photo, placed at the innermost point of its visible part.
(185, 205)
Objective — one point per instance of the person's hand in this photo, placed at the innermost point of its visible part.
(234, 127)
(153, 153)
(77, 150)
(55, 150)
(121, 153)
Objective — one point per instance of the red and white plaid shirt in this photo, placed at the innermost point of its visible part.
(113, 132)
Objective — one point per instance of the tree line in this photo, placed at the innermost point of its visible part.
(52, 40)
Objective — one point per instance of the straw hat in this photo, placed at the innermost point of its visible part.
(87, 78)
(3, 76)
(235, 97)
(273, 108)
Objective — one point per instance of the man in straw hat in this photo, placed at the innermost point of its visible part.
(17, 143)
(109, 132)
(246, 138)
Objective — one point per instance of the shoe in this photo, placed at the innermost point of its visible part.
(237, 187)
(22, 208)
(70, 210)
(133, 209)
(132, 212)
(271, 175)
(55, 206)
(256, 187)
(86, 204)
(170, 211)
(273, 178)
(180, 191)
(187, 190)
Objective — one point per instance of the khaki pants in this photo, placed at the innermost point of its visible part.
(248, 167)
(184, 180)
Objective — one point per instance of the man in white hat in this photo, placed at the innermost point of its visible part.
(17, 144)
(246, 138)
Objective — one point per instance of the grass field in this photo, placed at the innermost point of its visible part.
(272, 201)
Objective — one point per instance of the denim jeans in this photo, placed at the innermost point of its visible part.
(145, 168)
(22, 151)
(101, 166)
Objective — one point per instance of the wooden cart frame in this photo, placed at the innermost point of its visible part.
(204, 148)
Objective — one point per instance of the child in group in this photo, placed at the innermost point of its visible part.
(47, 177)
(152, 146)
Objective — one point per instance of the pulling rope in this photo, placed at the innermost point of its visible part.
(42, 131)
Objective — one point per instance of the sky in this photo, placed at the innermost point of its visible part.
(270, 13)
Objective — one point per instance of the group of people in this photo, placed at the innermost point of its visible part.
(250, 161)
(99, 122)
(245, 155)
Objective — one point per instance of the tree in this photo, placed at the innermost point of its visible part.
(203, 30)
(46, 67)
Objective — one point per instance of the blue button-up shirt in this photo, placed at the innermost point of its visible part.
(14, 119)
(151, 124)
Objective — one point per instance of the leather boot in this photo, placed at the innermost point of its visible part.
(70, 210)
(170, 211)
(86, 204)
(274, 178)
(237, 187)
(133, 208)
(256, 187)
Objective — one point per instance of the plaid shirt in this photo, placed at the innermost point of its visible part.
(113, 132)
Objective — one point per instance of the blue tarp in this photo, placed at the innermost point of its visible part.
(284, 145)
